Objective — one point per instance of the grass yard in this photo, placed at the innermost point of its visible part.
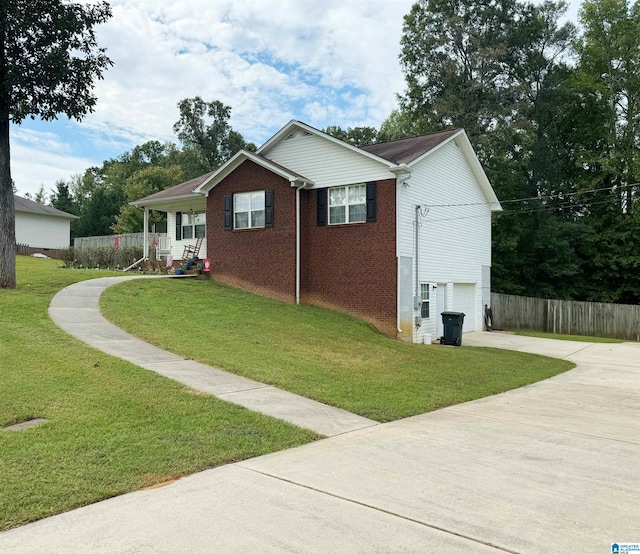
(556, 336)
(113, 427)
(317, 353)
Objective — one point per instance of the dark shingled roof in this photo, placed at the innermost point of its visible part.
(29, 206)
(404, 151)
(179, 190)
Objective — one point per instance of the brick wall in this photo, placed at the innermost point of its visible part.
(259, 260)
(352, 267)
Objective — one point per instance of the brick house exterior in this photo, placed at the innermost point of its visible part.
(310, 219)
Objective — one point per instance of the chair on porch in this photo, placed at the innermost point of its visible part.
(191, 250)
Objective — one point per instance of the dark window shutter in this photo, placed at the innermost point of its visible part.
(227, 213)
(268, 208)
(178, 225)
(322, 207)
(371, 201)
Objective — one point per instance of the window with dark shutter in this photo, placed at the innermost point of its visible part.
(268, 208)
(322, 207)
(228, 225)
(178, 225)
(371, 201)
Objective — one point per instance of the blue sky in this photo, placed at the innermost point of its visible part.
(325, 62)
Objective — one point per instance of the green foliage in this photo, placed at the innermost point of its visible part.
(204, 126)
(333, 358)
(104, 257)
(144, 183)
(49, 61)
(358, 136)
(548, 132)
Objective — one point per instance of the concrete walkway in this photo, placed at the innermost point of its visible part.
(552, 467)
(75, 309)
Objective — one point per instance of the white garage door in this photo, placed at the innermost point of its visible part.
(464, 301)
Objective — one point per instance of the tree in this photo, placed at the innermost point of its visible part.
(204, 126)
(358, 136)
(498, 69)
(49, 61)
(62, 199)
(40, 195)
(454, 59)
(143, 183)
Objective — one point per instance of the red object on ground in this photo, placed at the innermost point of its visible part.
(207, 265)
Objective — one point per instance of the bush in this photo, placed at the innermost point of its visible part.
(105, 257)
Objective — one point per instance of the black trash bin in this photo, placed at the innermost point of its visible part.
(452, 325)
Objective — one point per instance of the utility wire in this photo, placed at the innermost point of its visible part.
(528, 211)
(541, 197)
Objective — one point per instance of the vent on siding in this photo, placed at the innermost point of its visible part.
(297, 134)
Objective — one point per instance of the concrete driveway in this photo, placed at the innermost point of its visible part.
(552, 467)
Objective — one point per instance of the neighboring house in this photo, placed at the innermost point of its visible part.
(43, 228)
(392, 233)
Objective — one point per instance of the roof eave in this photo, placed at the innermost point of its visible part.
(143, 204)
(233, 163)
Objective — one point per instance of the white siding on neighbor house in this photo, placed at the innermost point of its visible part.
(42, 231)
(327, 164)
(455, 239)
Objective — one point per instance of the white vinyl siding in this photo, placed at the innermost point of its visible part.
(454, 235)
(42, 231)
(326, 163)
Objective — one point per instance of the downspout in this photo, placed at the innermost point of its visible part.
(298, 245)
(417, 283)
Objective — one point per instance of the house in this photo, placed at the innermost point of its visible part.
(393, 233)
(43, 228)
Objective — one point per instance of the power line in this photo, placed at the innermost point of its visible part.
(540, 197)
(528, 211)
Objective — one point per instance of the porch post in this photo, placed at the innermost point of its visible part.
(145, 248)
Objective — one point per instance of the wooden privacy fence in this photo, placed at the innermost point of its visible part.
(618, 321)
(22, 249)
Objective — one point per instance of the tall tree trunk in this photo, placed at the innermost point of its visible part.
(7, 204)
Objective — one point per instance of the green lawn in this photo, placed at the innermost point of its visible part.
(557, 336)
(113, 427)
(317, 353)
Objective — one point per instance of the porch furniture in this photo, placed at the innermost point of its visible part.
(191, 250)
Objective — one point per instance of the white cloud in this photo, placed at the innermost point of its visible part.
(38, 159)
(326, 62)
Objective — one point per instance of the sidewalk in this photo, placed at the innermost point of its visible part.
(551, 467)
(75, 309)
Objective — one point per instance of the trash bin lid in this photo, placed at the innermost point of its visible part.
(453, 313)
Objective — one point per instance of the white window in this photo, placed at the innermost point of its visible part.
(193, 225)
(248, 210)
(424, 297)
(347, 204)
